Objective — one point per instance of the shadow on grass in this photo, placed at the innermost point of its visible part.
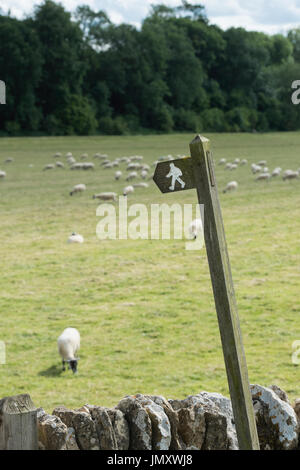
(52, 371)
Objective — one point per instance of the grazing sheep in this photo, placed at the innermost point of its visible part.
(265, 169)
(144, 174)
(108, 165)
(71, 160)
(237, 161)
(228, 166)
(289, 175)
(136, 158)
(57, 155)
(59, 164)
(104, 162)
(233, 166)
(131, 176)
(75, 238)
(231, 186)
(50, 166)
(222, 161)
(244, 162)
(134, 166)
(118, 175)
(2, 174)
(263, 176)
(105, 196)
(69, 154)
(140, 185)
(68, 344)
(88, 166)
(127, 190)
(255, 168)
(76, 166)
(78, 188)
(145, 167)
(84, 156)
(9, 160)
(195, 228)
(276, 172)
(262, 163)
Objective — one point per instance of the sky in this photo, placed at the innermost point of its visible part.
(269, 16)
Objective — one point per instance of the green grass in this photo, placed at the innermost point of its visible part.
(144, 308)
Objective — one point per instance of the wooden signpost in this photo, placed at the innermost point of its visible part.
(198, 172)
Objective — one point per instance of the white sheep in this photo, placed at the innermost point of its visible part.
(2, 174)
(118, 175)
(195, 228)
(141, 185)
(71, 160)
(134, 166)
(59, 164)
(289, 175)
(237, 160)
(222, 161)
(75, 238)
(78, 188)
(128, 190)
(255, 168)
(263, 176)
(276, 172)
(228, 166)
(244, 161)
(144, 174)
(9, 160)
(57, 155)
(50, 166)
(84, 156)
(231, 186)
(68, 344)
(108, 165)
(110, 196)
(262, 163)
(233, 166)
(131, 176)
(76, 166)
(105, 162)
(88, 166)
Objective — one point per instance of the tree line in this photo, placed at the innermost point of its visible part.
(78, 73)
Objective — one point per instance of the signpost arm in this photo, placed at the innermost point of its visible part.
(226, 308)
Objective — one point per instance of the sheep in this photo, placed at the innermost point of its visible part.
(2, 174)
(255, 168)
(145, 167)
(108, 165)
(244, 161)
(131, 176)
(141, 185)
(290, 175)
(136, 158)
(59, 164)
(78, 188)
(57, 155)
(263, 176)
(231, 186)
(84, 156)
(9, 160)
(228, 166)
(222, 161)
(69, 154)
(105, 162)
(195, 228)
(88, 166)
(118, 175)
(237, 161)
(50, 166)
(233, 166)
(68, 344)
(262, 163)
(134, 166)
(76, 166)
(144, 174)
(71, 160)
(105, 196)
(265, 169)
(75, 238)
(127, 190)
(276, 172)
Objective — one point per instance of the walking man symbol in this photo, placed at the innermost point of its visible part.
(175, 173)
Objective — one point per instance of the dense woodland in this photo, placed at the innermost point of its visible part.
(78, 73)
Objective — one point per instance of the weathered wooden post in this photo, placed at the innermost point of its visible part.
(18, 423)
(198, 172)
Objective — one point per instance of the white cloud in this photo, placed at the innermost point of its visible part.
(271, 16)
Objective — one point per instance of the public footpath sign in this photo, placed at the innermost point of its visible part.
(197, 172)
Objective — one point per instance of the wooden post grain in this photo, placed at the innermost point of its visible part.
(18, 423)
(226, 308)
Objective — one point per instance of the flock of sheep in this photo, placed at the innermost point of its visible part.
(260, 168)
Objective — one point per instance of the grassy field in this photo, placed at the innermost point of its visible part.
(145, 308)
